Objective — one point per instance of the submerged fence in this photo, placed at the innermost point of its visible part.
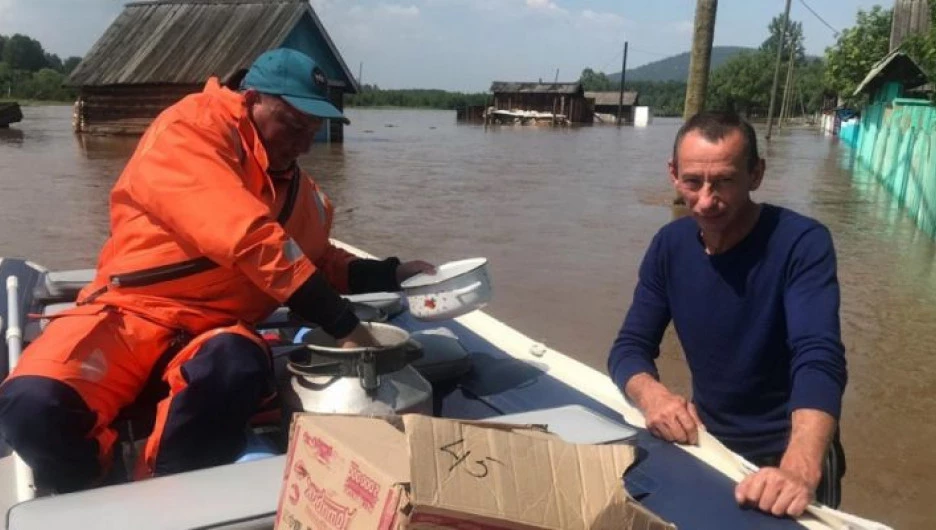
(897, 142)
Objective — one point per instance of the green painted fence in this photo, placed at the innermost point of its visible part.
(897, 142)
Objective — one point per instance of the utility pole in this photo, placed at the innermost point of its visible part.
(776, 73)
(360, 75)
(791, 101)
(786, 89)
(701, 58)
(621, 96)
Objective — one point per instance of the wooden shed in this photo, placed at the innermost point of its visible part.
(157, 52)
(558, 98)
(891, 78)
(606, 104)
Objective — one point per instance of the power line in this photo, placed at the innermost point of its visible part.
(658, 54)
(615, 60)
(618, 57)
(835, 31)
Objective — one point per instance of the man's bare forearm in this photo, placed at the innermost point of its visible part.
(809, 440)
(641, 387)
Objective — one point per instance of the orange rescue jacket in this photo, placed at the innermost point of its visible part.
(196, 194)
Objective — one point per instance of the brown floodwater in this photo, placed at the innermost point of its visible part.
(564, 216)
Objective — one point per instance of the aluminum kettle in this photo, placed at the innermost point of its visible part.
(367, 380)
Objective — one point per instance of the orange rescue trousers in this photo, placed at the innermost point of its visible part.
(58, 407)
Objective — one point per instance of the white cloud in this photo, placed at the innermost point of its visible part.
(378, 12)
(682, 27)
(409, 11)
(546, 6)
(595, 20)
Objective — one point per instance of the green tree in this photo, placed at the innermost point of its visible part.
(593, 81)
(373, 96)
(53, 61)
(666, 98)
(794, 34)
(70, 64)
(24, 53)
(743, 83)
(810, 86)
(858, 48)
(46, 84)
(6, 80)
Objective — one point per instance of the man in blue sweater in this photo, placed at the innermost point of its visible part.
(753, 294)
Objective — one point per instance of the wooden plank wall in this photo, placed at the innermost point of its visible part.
(336, 133)
(124, 109)
(910, 17)
(575, 106)
(130, 109)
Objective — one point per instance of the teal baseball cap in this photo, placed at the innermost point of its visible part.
(295, 77)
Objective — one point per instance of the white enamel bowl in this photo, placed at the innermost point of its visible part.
(457, 288)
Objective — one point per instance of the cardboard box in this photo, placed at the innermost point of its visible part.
(354, 472)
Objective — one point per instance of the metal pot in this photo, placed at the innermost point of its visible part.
(370, 380)
(457, 288)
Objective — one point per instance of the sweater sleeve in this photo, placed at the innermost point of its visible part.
(638, 342)
(811, 303)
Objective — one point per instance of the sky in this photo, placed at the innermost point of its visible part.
(463, 45)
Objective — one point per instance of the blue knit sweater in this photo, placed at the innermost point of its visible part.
(759, 325)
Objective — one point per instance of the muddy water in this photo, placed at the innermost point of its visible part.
(564, 217)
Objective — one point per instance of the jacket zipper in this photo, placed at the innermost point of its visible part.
(162, 273)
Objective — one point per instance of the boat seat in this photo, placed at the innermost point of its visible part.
(54, 309)
(63, 286)
(220, 497)
(444, 357)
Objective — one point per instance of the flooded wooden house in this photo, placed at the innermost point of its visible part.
(155, 53)
(605, 105)
(894, 76)
(567, 99)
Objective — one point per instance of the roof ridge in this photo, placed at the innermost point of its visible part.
(184, 2)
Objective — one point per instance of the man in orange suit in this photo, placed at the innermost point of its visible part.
(213, 226)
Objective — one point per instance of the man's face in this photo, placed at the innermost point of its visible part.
(714, 179)
(286, 133)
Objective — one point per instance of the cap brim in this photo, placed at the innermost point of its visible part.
(316, 107)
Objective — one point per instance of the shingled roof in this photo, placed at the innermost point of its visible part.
(512, 87)
(895, 66)
(188, 41)
(604, 99)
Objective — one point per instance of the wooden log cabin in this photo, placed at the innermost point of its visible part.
(567, 99)
(156, 52)
(606, 104)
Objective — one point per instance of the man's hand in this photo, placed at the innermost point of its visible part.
(776, 490)
(360, 337)
(789, 488)
(669, 416)
(412, 268)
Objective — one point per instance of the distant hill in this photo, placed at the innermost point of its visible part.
(676, 68)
